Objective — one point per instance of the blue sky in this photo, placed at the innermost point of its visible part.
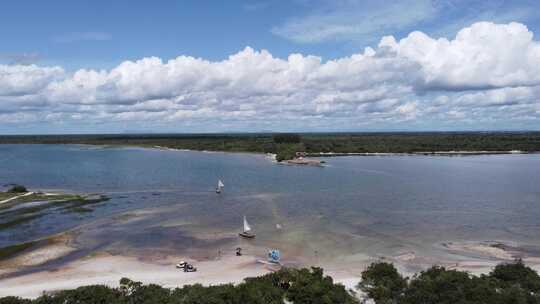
(47, 46)
(104, 33)
(101, 34)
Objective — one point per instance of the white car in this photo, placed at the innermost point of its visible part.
(181, 265)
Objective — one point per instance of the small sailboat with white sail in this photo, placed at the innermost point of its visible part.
(220, 186)
(247, 230)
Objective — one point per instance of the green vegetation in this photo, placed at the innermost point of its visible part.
(74, 200)
(286, 138)
(301, 286)
(287, 151)
(17, 189)
(37, 196)
(381, 282)
(285, 145)
(512, 283)
(507, 283)
(7, 195)
(16, 212)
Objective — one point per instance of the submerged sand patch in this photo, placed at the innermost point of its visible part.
(38, 253)
(487, 249)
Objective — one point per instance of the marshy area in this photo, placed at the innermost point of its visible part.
(19, 206)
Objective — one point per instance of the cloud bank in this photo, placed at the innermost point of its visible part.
(488, 75)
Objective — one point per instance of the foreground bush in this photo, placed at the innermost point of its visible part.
(297, 286)
(507, 283)
(18, 189)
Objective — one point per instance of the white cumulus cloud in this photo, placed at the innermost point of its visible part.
(484, 55)
(26, 79)
(417, 80)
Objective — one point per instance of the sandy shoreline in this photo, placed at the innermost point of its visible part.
(107, 269)
(309, 155)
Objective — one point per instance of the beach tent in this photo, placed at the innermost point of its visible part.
(274, 256)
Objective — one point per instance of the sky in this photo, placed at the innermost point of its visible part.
(268, 66)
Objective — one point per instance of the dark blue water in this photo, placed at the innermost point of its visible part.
(165, 200)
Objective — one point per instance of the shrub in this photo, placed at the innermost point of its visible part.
(18, 189)
(302, 286)
(286, 138)
(382, 282)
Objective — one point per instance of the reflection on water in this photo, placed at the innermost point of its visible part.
(164, 201)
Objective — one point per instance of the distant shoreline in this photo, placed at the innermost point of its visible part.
(291, 146)
(305, 155)
(426, 153)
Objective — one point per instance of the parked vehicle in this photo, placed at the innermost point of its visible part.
(189, 268)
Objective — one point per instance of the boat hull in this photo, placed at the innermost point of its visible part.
(246, 235)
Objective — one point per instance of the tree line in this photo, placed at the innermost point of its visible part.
(510, 283)
(285, 145)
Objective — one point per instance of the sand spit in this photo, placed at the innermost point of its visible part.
(304, 162)
(15, 197)
(488, 249)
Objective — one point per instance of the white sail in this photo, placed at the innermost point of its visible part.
(220, 184)
(247, 228)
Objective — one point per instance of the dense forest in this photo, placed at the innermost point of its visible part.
(285, 145)
(505, 284)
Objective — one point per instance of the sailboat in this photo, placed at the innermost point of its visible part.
(220, 186)
(247, 230)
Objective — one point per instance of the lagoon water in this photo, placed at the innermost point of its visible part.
(354, 208)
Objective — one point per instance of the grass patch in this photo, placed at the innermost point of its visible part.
(23, 214)
(42, 197)
(7, 195)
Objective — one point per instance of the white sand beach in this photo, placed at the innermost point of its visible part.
(104, 268)
(108, 270)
